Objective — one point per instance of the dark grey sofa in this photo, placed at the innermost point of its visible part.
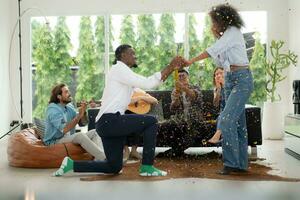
(253, 118)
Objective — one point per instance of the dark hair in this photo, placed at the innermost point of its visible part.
(118, 53)
(214, 74)
(225, 15)
(57, 90)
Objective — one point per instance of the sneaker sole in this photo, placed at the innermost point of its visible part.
(153, 174)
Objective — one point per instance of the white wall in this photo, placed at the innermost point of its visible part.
(4, 86)
(277, 24)
(294, 45)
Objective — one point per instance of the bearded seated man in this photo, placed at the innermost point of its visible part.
(187, 123)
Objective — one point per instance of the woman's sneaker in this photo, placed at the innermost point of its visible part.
(149, 170)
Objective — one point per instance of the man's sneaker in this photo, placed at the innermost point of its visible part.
(66, 166)
(149, 170)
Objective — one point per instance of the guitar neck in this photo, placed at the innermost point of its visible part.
(176, 77)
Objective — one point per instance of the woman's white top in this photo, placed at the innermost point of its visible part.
(229, 49)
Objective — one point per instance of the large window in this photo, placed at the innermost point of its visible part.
(72, 50)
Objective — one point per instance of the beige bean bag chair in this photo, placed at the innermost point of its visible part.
(26, 149)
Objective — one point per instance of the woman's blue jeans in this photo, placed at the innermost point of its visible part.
(232, 120)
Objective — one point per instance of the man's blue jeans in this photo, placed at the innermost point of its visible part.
(232, 120)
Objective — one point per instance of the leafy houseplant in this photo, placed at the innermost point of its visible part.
(275, 66)
(273, 114)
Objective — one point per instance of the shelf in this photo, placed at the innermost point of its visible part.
(292, 135)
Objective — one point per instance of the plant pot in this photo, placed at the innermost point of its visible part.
(273, 121)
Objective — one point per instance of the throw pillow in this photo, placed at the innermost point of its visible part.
(39, 127)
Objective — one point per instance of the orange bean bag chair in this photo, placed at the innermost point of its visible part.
(26, 149)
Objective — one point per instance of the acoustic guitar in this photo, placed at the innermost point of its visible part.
(143, 107)
(139, 107)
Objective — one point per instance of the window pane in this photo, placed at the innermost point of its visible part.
(70, 51)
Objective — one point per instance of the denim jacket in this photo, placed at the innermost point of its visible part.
(57, 116)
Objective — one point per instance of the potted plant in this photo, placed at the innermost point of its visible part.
(272, 125)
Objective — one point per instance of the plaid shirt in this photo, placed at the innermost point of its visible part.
(188, 110)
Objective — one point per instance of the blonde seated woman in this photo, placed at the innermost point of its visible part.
(139, 96)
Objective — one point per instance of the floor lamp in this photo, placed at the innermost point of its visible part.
(20, 70)
(16, 124)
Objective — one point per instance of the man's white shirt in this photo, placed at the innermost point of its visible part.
(121, 82)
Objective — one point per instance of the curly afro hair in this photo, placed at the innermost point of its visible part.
(224, 16)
